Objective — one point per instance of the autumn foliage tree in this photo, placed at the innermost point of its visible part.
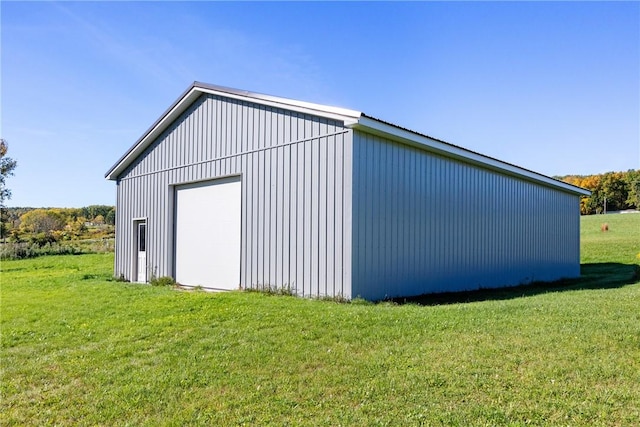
(612, 191)
(43, 221)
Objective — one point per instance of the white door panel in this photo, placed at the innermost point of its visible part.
(207, 239)
(141, 243)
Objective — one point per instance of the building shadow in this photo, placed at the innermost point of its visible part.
(592, 276)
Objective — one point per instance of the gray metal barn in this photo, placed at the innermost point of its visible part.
(234, 189)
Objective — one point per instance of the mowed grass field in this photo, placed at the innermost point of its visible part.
(81, 349)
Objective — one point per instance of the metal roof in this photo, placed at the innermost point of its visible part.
(351, 118)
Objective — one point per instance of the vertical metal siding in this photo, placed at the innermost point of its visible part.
(296, 192)
(424, 223)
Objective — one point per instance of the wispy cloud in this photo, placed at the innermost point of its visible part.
(37, 132)
(194, 47)
(112, 42)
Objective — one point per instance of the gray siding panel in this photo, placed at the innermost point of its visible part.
(327, 210)
(295, 197)
(424, 223)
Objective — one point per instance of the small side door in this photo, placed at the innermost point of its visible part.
(141, 250)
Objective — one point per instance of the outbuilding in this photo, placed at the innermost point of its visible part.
(231, 189)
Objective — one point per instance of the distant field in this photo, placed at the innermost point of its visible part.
(620, 244)
(81, 349)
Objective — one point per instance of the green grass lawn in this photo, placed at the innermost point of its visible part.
(81, 349)
(620, 244)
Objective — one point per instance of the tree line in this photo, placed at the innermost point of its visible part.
(54, 224)
(611, 191)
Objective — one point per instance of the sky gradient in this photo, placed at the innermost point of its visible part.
(549, 86)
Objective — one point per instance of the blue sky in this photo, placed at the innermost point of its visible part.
(549, 86)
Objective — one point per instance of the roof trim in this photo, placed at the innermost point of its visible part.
(196, 89)
(337, 113)
(351, 118)
(378, 127)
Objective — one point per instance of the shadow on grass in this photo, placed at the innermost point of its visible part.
(592, 276)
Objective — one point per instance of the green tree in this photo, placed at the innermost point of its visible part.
(633, 180)
(110, 217)
(616, 190)
(92, 211)
(7, 166)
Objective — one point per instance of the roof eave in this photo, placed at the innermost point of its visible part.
(177, 108)
(387, 130)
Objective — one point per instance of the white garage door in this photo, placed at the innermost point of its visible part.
(208, 234)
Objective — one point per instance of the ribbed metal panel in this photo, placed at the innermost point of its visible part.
(296, 192)
(424, 223)
(327, 210)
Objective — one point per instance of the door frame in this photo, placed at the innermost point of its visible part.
(136, 223)
(173, 208)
